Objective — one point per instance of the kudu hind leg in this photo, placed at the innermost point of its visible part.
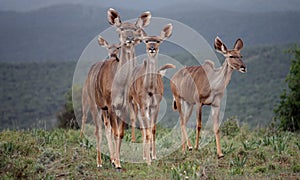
(98, 134)
(215, 116)
(184, 110)
(85, 110)
(199, 125)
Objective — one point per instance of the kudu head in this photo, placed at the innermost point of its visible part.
(153, 42)
(112, 49)
(129, 33)
(233, 57)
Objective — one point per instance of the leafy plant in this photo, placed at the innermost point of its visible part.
(287, 112)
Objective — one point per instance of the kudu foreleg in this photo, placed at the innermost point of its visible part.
(109, 136)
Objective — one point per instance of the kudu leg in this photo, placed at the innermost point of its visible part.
(132, 112)
(154, 116)
(145, 126)
(85, 109)
(109, 136)
(118, 140)
(185, 111)
(199, 125)
(215, 116)
(98, 134)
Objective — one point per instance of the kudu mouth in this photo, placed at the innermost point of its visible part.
(243, 69)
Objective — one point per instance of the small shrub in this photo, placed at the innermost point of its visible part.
(296, 168)
(230, 127)
(260, 169)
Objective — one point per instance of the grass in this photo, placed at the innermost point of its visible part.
(39, 154)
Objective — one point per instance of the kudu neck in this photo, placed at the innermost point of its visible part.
(151, 71)
(127, 55)
(226, 72)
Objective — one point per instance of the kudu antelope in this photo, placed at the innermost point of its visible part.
(88, 99)
(147, 89)
(111, 92)
(88, 94)
(205, 85)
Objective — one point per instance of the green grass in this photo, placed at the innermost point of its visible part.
(39, 154)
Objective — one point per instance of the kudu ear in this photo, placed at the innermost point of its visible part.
(220, 46)
(102, 42)
(238, 44)
(143, 20)
(113, 17)
(166, 32)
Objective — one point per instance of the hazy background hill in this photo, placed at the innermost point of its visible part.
(61, 32)
(40, 42)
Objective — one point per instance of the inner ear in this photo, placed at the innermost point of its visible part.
(102, 42)
(238, 44)
(143, 20)
(220, 46)
(113, 17)
(166, 32)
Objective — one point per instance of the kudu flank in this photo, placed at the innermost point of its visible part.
(205, 85)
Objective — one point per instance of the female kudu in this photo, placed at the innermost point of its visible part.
(111, 91)
(147, 89)
(205, 85)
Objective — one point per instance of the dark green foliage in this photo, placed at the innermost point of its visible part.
(230, 127)
(66, 118)
(288, 110)
(32, 93)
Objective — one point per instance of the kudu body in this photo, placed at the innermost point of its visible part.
(204, 85)
(111, 88)
(88, 90)
(146, 91)
(89, 102)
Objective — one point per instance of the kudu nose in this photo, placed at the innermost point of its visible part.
(129, 39)
(243, 68)
(152, 49)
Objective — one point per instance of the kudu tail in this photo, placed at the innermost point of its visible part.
(162, 70)
(174, 105)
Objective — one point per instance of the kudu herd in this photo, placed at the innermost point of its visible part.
(117, 86)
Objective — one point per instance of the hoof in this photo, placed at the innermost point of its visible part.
(119, 169)
(220, 156)
(99, 165)
(190, 149)
(113, 164)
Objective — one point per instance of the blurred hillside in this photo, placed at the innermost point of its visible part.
(61, 32)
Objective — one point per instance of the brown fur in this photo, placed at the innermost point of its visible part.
(110, 92)
(204, 85)
(146, 92)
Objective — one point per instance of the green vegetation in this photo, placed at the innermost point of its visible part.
(39, 154)
(288, 110)
(33, 92)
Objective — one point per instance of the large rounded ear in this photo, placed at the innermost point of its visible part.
(238, 44)
(113, 17)
(166, 32)
(143, 20)
(220, 46)
(102, 42)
